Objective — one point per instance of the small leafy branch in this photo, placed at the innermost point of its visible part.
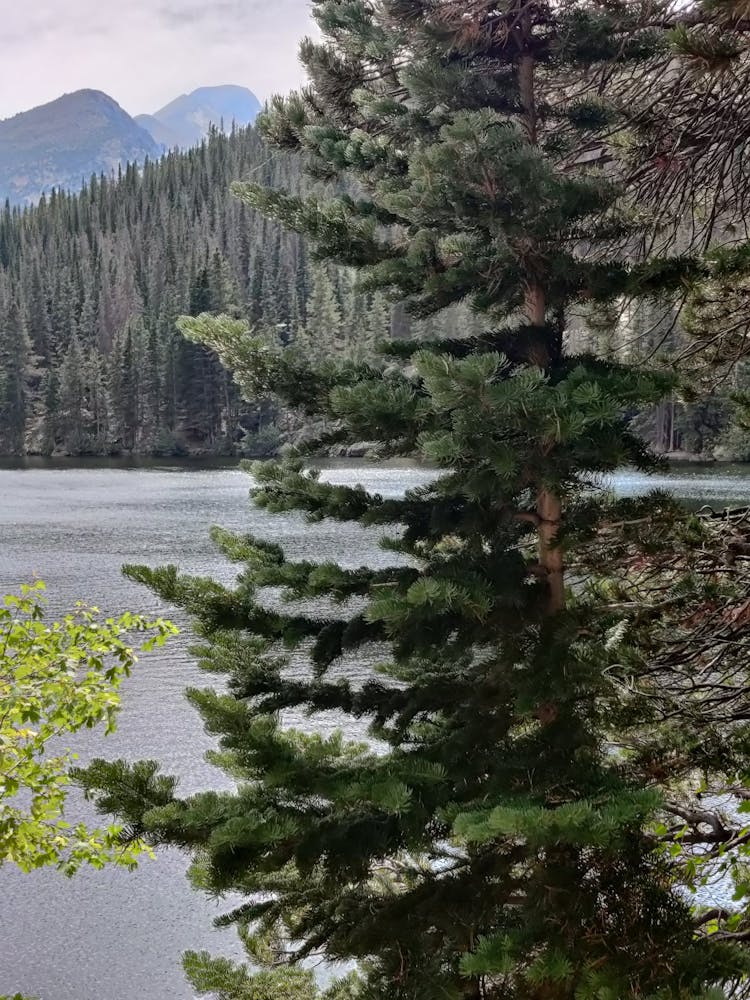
(56, 679)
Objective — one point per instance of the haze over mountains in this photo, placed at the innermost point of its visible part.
(186, 120)
(60, 144)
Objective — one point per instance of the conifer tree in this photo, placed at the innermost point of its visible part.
(71, 398)
(38, 316)
(528, 825)
(14, 360)
(150, 424)
(98, 403)
(324, 330)
(125, 387)
(378, 319)
(49, 430)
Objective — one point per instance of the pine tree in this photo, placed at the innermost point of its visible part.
(151, 381)
(14, 360)
(324, 329)
(529, 822)
(98, 403)
(71, 396)
(49, 430)
(125, 388)
(38, 316)
(378, 319)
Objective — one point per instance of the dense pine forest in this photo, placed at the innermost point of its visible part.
(91, 284)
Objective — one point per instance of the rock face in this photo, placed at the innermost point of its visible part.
(186, 120)
(60, 144)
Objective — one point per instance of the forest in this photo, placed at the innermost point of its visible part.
(91, 285)
(505, 753)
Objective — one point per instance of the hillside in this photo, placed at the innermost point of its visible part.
(186, 120)
(91, 285)
(60, 144)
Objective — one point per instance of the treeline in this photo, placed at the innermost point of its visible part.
(91, 285)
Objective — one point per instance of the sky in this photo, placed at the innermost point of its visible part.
(144, 53)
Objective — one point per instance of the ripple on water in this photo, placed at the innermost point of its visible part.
(114, 934)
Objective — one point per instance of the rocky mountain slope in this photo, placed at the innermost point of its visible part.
(60, 144)
(185, 121)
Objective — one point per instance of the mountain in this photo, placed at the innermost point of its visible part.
(186, 120)
(62, 143)
(164, 136)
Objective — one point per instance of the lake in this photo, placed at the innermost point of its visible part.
(116, 935)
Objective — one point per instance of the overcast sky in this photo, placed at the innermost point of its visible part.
(144, 53)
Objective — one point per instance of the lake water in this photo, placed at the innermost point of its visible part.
(116, 935)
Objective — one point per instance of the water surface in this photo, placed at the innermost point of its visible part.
(116, 935)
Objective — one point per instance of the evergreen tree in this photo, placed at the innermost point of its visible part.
(71, 396)
(98, 402)
(529, 821)
(49, 431)
(14, 390)
(324, 329)
(152, 393)
(38, 316)
(125, 386)
(378, 319)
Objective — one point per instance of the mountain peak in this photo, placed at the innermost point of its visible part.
(60, 144)
(75, 99)
(186, 120)
(87, 94)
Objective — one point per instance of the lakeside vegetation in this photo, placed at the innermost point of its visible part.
(92, 284)
(55, 680)
(558, 754)
(561, 700)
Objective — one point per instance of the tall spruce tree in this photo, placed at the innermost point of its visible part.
(71, 398)
(525, 826)
(49, 424)
(125, 387)
(15, 349)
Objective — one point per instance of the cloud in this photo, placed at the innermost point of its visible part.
(144, 53)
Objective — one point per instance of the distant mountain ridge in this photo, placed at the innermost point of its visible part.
(60, 144)
(185, 121)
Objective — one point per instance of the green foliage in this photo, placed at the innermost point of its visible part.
(224, 980)
(14, 380)
(262, 443)
(560, 676)
(55, 680)
(92, 283)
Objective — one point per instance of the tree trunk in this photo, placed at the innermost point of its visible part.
(549, 511)
(548, 505)
(528, 101)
